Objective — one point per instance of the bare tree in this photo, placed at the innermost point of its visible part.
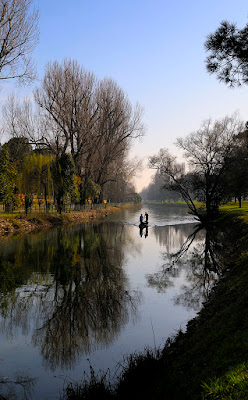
(209, 152)
(174, 176)
(117, 125)
(120, 187)
(18, 36)
(21, 119)
(95, 119)
(66, 98)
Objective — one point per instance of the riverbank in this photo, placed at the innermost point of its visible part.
(19, 223)
(167, 203)
(209, 360)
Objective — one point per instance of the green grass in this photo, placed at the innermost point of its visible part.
(173, 203)
(232, 385)
(234, 208)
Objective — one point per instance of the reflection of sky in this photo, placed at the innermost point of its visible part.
(157, 315)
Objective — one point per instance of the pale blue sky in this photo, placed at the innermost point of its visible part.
(155, 52)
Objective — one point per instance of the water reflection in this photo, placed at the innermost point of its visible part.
(143, 230)
(200, 257)
(21, 387)
(68, 290)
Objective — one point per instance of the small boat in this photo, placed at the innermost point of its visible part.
(143, 225)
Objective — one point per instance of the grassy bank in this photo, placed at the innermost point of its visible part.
(172, 203)
(210, 360)
(234, 209)
(20, 223)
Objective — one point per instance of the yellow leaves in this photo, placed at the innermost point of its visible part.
(76, 258)
(77, 180)
(37, 173)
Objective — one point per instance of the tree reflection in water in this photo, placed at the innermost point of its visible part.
(20, 388)
(70, 291)
(201, 258)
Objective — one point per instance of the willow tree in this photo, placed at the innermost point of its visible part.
(37, 176)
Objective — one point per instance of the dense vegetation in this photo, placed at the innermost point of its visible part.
(74, 147)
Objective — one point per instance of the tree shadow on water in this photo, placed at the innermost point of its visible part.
(201, 261)
(76, 301)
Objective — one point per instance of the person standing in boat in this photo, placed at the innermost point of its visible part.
(141, 218)
(146, 218)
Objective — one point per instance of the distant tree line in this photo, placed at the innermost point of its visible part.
(156, 190)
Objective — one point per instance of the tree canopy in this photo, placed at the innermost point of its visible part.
(228, 54)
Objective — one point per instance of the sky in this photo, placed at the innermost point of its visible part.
(154, 49)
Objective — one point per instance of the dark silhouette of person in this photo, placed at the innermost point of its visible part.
(146, 218)
(146, 234)
(141, 218)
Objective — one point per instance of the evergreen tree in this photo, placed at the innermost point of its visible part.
(7, 176)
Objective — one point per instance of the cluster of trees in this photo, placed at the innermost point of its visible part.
(88, 122)
(24, 170)
(80, 124)
(78, 132)
(216, 167)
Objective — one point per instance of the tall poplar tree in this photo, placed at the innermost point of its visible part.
(7, 175)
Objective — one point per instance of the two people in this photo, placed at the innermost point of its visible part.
(143, 224)
(142, 218)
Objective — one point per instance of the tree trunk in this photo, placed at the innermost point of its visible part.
(239, 201)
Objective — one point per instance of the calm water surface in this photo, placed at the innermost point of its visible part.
(92, 293)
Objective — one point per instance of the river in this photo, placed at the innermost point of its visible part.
(89, 294)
